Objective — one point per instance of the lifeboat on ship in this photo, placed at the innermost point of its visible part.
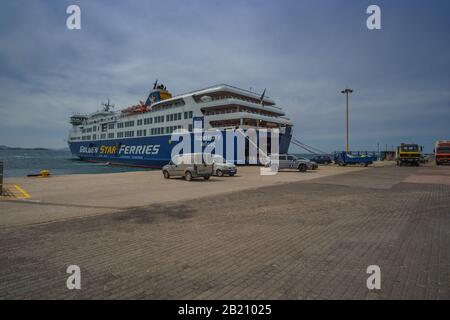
(139, 108)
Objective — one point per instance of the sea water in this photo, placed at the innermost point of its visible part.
(21, 162)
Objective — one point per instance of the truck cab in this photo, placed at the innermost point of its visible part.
(409, 153)
(442, 152)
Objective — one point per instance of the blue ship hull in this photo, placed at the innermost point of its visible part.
(152, 152)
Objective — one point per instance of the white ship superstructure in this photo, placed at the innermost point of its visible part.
(101, 135)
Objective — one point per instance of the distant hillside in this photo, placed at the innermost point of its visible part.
(18, 148)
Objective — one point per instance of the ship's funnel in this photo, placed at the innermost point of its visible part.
(157, 94)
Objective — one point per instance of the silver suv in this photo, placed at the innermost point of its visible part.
(287, 161)
(221, 166)
(189, 166)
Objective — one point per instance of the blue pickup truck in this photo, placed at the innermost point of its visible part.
(344, 158)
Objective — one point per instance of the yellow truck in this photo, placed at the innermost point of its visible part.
(408, 153)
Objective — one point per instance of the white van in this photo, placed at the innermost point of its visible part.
(189, 166)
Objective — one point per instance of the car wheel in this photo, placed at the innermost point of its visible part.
(302, 168)
(166, 174)
(219, 173)
(206, 177)
(188, 176)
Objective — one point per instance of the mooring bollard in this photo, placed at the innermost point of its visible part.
(1, 177)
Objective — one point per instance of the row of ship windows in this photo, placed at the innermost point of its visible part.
(140, 122)
(234, 110)
(130, 134)
(177, 103)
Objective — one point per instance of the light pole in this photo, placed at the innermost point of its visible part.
(347, 91)
(378, 151)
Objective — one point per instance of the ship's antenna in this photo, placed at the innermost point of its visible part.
(107, 106)
(155, 84)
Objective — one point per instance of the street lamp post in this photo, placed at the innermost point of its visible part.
(347, 91)
(378, 151)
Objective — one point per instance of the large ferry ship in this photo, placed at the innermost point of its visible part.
(141, 135)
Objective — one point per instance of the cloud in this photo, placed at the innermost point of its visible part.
(303, 52)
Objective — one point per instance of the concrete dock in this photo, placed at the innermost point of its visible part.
(78, 195)
(291, 236)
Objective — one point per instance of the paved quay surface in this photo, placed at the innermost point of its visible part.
(310, 239)
(80, 195)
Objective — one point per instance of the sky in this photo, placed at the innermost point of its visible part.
(303, 52)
